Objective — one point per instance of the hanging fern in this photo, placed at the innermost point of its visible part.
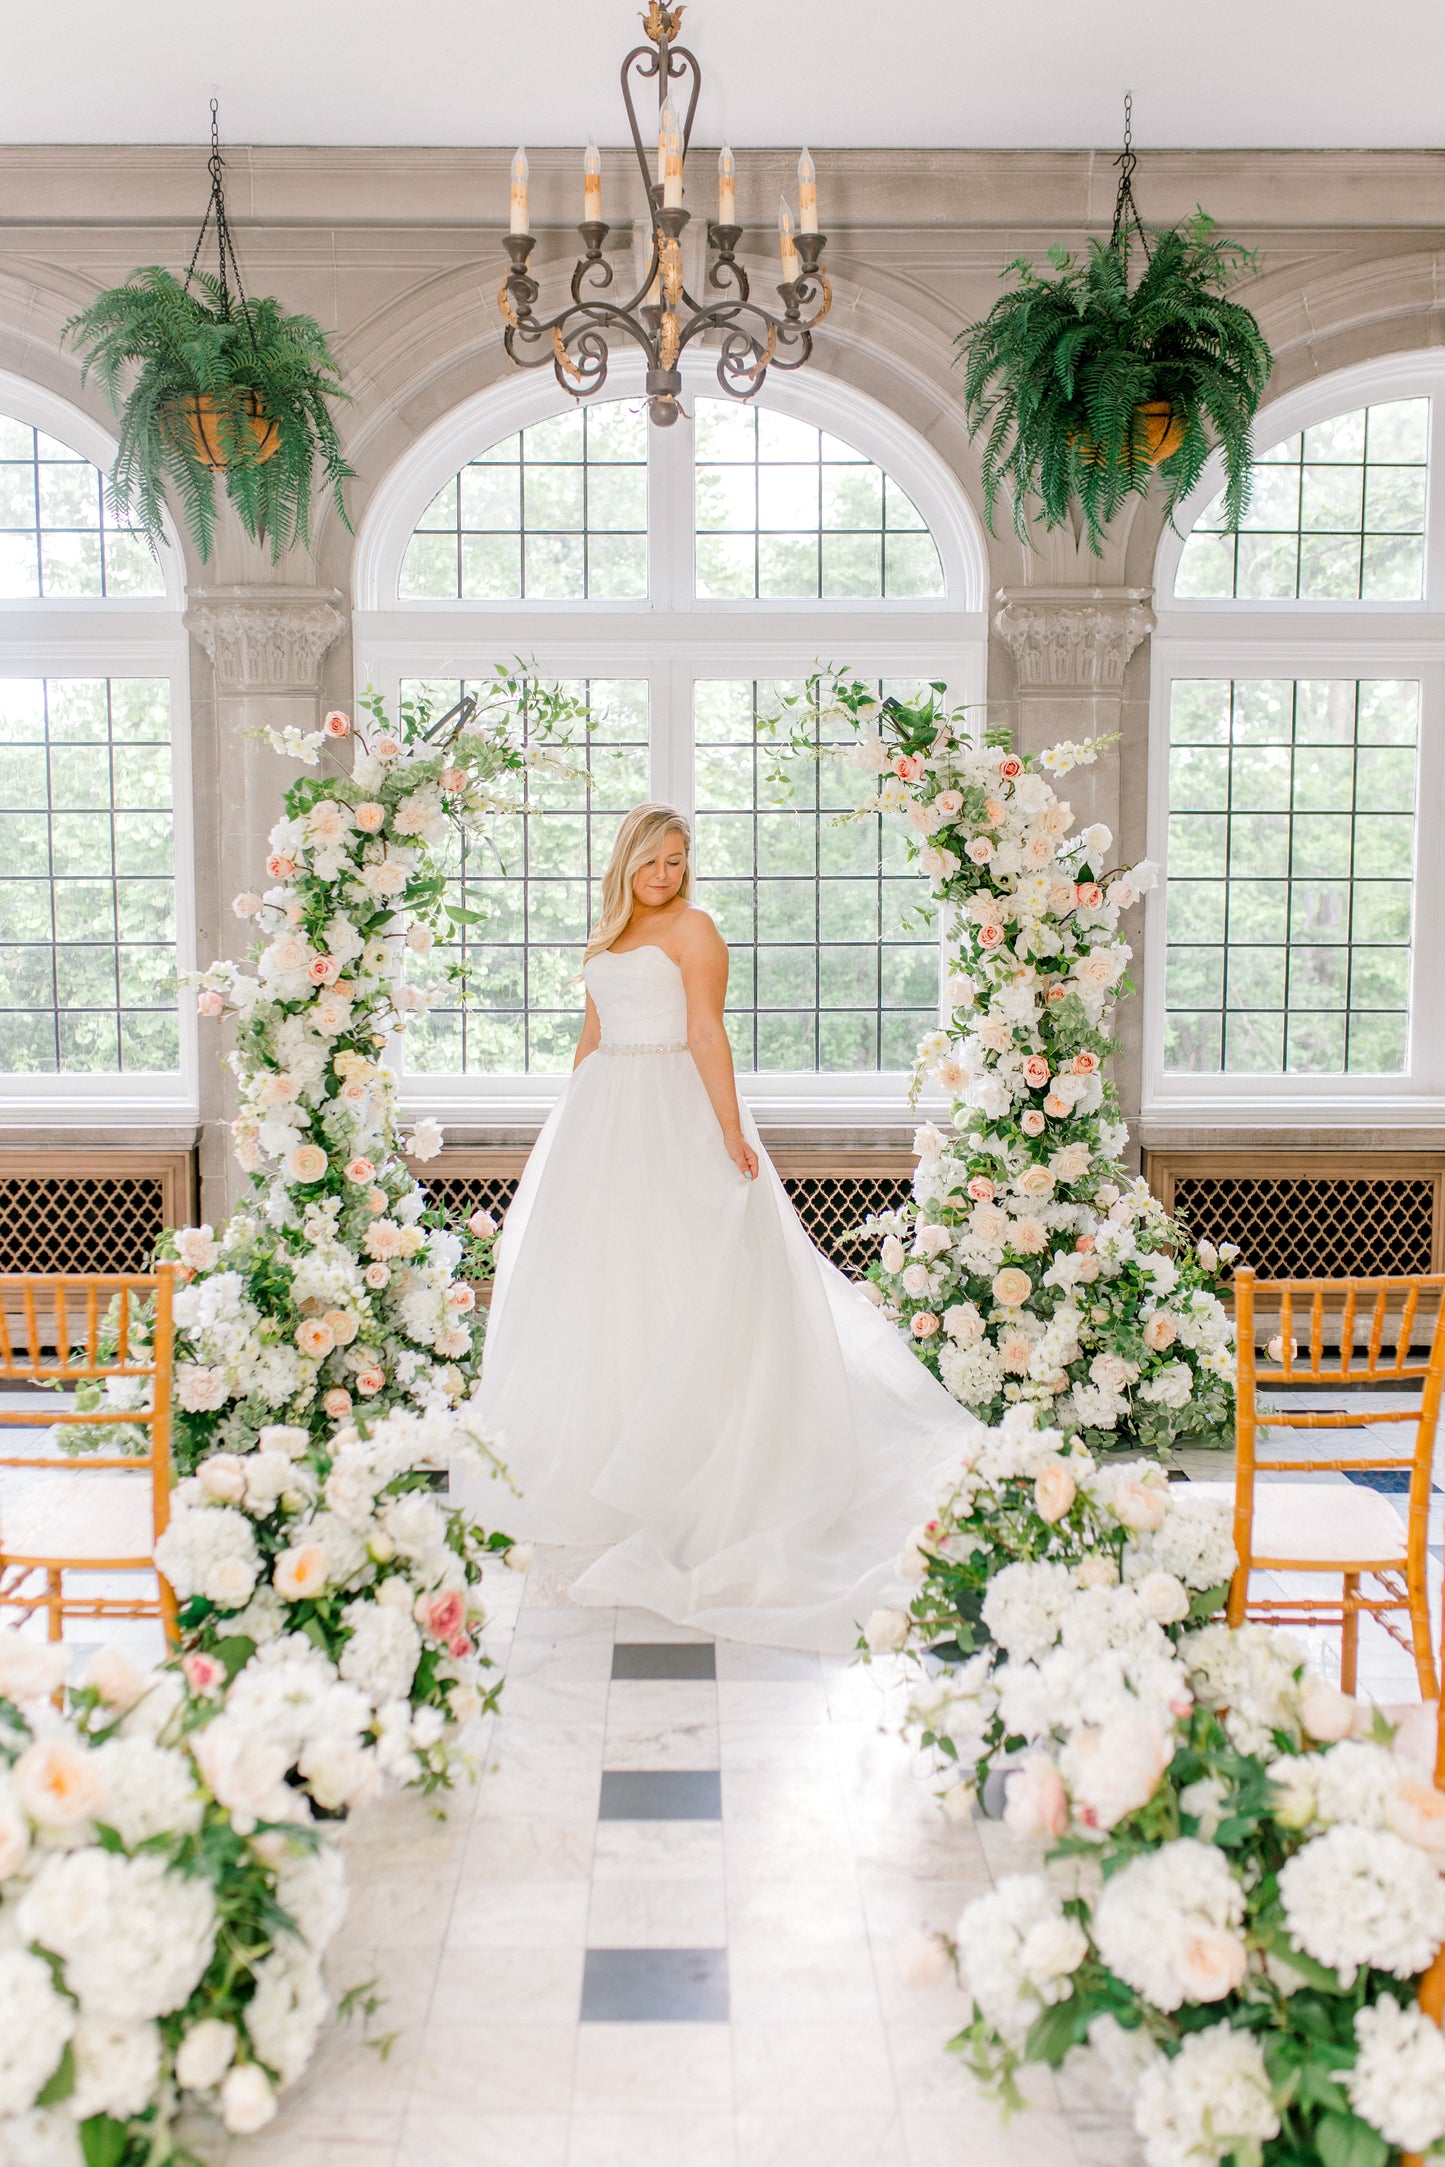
(1057, 370)
(182, 344)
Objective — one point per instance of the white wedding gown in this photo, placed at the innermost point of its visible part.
(671, 1369)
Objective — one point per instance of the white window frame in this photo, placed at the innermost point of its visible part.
(1224, 638)
(109, 636)
(672, 639)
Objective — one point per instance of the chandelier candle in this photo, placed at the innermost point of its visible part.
(787, 243)
(660, 315)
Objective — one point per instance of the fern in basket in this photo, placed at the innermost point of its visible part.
(206, 383)
(1063, 371)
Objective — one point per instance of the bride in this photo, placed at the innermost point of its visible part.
(672, 1372)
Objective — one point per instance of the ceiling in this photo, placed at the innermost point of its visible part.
(1327, 74)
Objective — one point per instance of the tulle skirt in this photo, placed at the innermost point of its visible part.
(674, 1371)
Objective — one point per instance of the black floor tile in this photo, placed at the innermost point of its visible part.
(664, 1794)
(664, 1659)
(652, 1986)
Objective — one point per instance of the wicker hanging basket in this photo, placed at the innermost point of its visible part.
(1158, 433)
(198, 425)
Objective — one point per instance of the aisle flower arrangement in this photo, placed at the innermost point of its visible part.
(165, 1899)
(1030, 1268)
(1243, 1887)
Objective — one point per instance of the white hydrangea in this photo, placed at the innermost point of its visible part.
(1358, 1896)
(1018, 1952)
(152, 1790)
(1025, 1605)
(1166, 1924)
(311, 1890)
(1211, 2100)
(1252, 1674)
(1195, 1542)
(384, 1649)
(210, 1550)
(117, 2065)
(36, 2025)
(285, 2014)
(1398, 2081)
(134, 1936)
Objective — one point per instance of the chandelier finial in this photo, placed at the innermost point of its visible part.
(663, 22)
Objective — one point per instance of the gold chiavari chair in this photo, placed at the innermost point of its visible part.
(1339, 1530)
(52, 1327)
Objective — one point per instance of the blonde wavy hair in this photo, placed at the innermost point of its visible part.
(639, 838)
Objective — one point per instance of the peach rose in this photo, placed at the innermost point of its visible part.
(369, 1381)
(1088, 895)
(337, 1403)
(1010, 766)
(209, 1002)
(322, 969)
(1057, 1108)
(1012, 1287)
(1036, 1803)
(949, 803)
(1084, 1064)
(336, 724)
(1036, 1072)
(990, 936)
(1140, 1506)
(344, 1326)
(370, 817)
(1159, 1332)
(1035, 1181)
(279, 866)
(387, 746)
(981, 1189)
(314, 1338)
(1054, 1492)
(979, 849)
(308, 1162)
(1275, 1349)
(925, 1324)
(453, 778)
(377, 1275)
(359, 1170)
(1417, 1812)
(1032, 1122)
(908, 767)
(301, 1572)
(461, 1297)
(59, 1784)
(1211, 1964)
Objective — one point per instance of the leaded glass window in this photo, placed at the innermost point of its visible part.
(556, 512)
(834, 961)
(786, 511)
(1337, 514)
(1291, 868)
(87, 877)
(57, 534)
(534, 885)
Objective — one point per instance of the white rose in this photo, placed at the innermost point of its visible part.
(116, 1679)
(1164, 1597)
(205, 2054)
(223, 1477)
(248, 2100)
(229, 1583)
(885, 1630)
(893, 1256)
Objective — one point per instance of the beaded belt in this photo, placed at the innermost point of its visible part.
(658, 1046)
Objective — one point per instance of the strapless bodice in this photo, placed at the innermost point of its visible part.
(638, 996)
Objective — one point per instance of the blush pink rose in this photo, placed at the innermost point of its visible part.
(1032, 1122)
(949, 803)
(1054, 1492)
(371, 817)
(981, 1189)
(209, 1002)
(377, 1275)
(322, 969)
(388, 747)
(337, 724)
(990, 936)
(359, 1170)
(443, 1616)
(1088, 895)
(925, 1324)
(1084, 1064)
(1036, 1071)
(1036, 1803)
(337, 1402)
(1010, 767)
(203, 1673)
(908, 767)
(460, 1648)
(370, 1381)
(453, 778)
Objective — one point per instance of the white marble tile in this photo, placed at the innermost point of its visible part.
(283, 2145)
(800, 2069)
(654, 1914)
(653, 2069)
(484, 2068)
(813, 1911)
(647, 1625)
(658, 1851)
(499, 1914)
(661, 1703)
(547, 1794)
(870, 2139)
(486, 2140)
(774, 1981)
(554, 1696)
(753, 1700)
(571, 1658)
(660, 1745)
(528, 1851)
(653, 2140)
(761, 1744)
(545, 1745)
(569, 1622)
(508, 1985)
(777, 1845)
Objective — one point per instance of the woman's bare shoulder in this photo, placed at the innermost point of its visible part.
(695, 932)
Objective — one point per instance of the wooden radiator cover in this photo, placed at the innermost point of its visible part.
(1311, 1214)
(90, 1211)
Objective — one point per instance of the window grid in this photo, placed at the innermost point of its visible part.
(1338, 513)
(784, 510)
(57, 535)
(554, 512)
(87, 877)
(1343, 986)
(536, 879)
(825, 973)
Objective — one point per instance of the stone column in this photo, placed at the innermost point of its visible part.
(1080, 670)
(263, 648)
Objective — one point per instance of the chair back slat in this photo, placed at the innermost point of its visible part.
(1347, 1330)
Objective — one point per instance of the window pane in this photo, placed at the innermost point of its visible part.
(57, 534)
(825, 972)
(1336, 514)
(557, 512)
(534, 883)
(1289, 909)
(87, 882)
(786, 512)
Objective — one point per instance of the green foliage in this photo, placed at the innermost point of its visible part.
(1057, 369)
(154, 342)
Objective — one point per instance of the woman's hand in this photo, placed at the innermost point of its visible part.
(741, 1152)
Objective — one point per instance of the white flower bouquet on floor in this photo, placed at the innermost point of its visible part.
(1244, 1885)
(347, 1550)
(1030, 1268)
(160, 1949)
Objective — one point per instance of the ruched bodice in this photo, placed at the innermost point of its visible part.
(638, 996)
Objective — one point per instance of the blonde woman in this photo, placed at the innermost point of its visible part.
(677, 1377)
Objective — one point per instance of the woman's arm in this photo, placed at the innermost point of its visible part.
(703, 959)
(591, 1034)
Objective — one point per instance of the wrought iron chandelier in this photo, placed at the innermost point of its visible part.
(662, 317)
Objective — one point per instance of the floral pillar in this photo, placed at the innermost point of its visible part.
(1072, 648)
(265, 647)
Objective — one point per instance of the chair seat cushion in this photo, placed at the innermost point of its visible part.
(71, 1514)
(1335, 1522)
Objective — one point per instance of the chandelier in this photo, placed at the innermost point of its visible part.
(662, 316)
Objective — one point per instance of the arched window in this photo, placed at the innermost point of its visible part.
(1294, 957)
(94, 816)
(685, 580)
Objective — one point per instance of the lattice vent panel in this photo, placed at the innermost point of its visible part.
(79, 1223)
(829, 1205)
(1321, 1226)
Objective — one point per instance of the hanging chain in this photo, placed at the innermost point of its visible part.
(1126, 211)
(225, 246)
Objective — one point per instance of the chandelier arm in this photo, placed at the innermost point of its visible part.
(648, 61)
(680, 52)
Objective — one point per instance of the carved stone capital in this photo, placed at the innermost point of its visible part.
(1072, 639)
(266, 639)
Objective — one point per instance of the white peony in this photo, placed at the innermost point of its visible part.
(248, 2099)
(1166, 1924)
(1025, 1605)
(151, 1791)
(1210, 2101)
